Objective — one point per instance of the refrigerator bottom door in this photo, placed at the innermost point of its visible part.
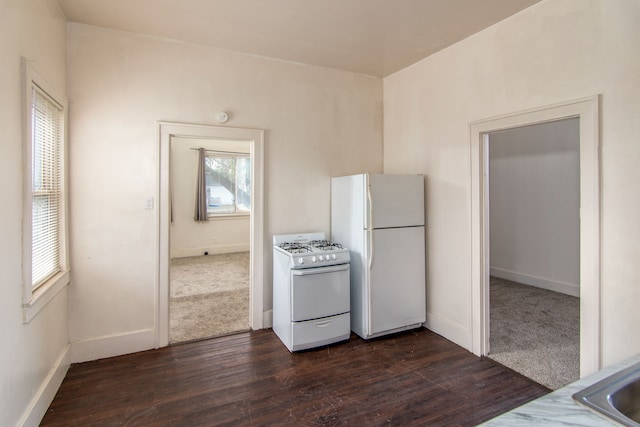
(397, 283)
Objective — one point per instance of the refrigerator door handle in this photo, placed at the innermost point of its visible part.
(370, 203)
(371, 249)
(369, 316)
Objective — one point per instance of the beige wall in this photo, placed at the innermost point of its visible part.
(555, 51)
(318, 123)
(534, 178)
(33, 354)
(191, 238)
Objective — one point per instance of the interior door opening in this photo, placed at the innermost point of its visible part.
(533, 185)
(587, 111)
(209, 257)
(214, 134)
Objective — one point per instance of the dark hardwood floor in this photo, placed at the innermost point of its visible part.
(250, 379)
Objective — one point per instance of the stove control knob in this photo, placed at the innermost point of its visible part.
(313, 259)
(333, 256)
(327, 257)
(300, 261)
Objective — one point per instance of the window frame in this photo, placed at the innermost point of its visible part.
(35, 299)
(236, 213)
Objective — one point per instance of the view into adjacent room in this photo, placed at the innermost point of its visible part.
(209, 267)
(534, 197)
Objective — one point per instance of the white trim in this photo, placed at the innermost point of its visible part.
(168, 130)
(571, 289)
(228, 216)
(34, 300)
(588, 111)
(211, 250)
(112, 345)
(46, 392)
(43, 295)
(267, 319)
(454, 332)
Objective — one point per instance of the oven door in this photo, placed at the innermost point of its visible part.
(319, 292)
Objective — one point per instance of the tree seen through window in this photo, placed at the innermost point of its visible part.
(228, 178)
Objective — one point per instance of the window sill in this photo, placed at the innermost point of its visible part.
(229, 216)
(43, 295)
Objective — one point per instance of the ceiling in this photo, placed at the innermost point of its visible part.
(374, 37)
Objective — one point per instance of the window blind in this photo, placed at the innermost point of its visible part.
(46, 189)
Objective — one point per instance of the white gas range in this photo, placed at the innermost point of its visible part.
(311, 302)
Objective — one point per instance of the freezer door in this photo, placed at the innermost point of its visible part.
(397, 284)
(394, 201)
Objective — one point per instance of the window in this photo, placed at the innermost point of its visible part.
(228, 179)
(44, 253)
(46, 186)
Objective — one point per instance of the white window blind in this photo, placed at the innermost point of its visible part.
(46, 191)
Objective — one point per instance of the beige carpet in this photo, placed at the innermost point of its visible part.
(208, 274)
(209, 296)
(535, 332)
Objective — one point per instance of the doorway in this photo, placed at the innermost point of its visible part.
(534, 250)
(202, 134)
(209, 258)
(587, 110)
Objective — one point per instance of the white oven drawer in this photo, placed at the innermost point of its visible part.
(315, 333)
(319, 292)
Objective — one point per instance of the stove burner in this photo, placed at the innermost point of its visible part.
(325, 245)
(294, 247)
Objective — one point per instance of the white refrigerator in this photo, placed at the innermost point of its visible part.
(380, 219)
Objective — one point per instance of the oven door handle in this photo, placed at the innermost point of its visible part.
(321, 270)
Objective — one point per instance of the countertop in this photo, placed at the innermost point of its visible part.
(558, 408)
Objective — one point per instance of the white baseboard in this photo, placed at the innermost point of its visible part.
(449, 330)
(47, 391)
(113, 345)
(211, 250)
(539, 282)
(267, 319)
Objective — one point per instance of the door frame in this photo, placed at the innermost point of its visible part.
(588, 111)
(166, 131)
